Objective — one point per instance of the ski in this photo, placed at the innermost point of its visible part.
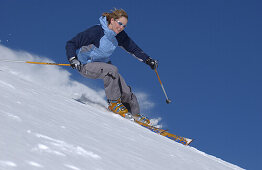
(179, 139)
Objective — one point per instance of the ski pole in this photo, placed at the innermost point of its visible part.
(32, 62)
(167, 100)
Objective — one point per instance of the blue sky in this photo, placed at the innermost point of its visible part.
(209, 56)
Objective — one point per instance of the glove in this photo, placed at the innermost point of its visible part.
(152, 63)
(75, 63)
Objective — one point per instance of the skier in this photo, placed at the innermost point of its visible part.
(96, 45)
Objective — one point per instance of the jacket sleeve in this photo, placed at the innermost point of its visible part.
(82, 39)
(130, 46)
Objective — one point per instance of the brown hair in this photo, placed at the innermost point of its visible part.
(115, 14)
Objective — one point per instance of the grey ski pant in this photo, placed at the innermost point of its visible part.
(114, 84)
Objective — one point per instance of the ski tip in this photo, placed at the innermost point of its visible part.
(189, 141)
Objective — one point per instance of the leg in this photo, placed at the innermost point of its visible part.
(128, 98)
(109, 74)
(130, 101)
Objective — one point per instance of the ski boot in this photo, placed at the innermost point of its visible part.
(142, 119)
(117, 107)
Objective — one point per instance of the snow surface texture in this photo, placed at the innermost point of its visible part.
(43, 127)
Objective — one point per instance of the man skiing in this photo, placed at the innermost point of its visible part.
(96, 45)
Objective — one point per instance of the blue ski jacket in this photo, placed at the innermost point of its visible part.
(98, 43)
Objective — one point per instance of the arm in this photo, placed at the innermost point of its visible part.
(82, 39)
(130, 46)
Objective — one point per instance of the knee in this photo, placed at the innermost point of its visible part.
(113, 72)
(113, 69)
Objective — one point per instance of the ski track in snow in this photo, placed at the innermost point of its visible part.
(35, 164)
(7, 164)
(12, 116)
(62, 147)
(2, 83)
(72, 167)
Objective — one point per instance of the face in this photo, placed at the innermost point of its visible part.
(118, 25)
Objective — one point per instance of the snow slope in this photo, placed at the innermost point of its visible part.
(42, 126)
